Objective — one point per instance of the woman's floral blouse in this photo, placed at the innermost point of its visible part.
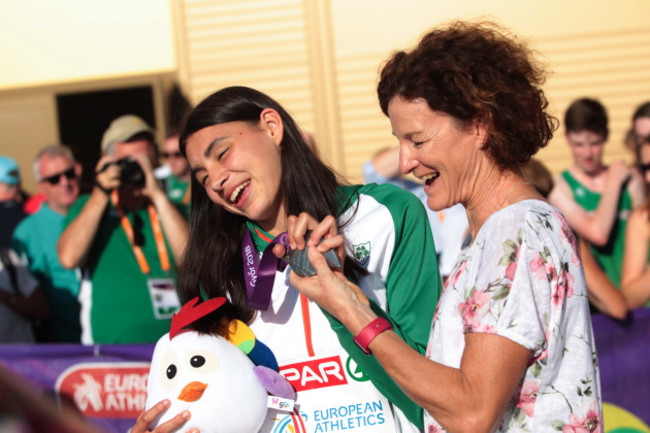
(522, 279)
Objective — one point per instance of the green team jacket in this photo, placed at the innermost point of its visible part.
(412, 281)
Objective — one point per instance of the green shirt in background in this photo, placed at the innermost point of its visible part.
(610, 255)
(176, 189)
(116, 303)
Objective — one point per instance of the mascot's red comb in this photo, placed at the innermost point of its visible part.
(190, 312)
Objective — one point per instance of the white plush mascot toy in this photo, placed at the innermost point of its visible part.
(213, 377)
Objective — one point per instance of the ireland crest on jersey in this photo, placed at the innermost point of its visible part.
(362, 252)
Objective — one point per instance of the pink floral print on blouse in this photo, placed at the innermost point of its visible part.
(521, 278)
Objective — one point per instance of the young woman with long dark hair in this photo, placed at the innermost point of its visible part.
(254, 178)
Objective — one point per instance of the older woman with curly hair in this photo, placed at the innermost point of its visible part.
(511, 345)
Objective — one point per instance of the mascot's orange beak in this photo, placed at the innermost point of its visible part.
(192, 391)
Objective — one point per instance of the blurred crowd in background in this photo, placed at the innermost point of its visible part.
(98, 266)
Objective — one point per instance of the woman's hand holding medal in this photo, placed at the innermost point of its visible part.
(328, 287)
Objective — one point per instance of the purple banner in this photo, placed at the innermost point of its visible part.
(107, 384)
(623, 352)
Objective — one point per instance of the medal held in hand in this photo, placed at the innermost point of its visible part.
(259, 273)
(300, 264)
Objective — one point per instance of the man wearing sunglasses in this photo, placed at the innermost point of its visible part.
(178, 174)
(36, 237)
(596, 199)
(127, 237)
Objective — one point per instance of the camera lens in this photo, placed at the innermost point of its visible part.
(130, 172)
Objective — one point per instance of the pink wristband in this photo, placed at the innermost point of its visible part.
(369, 333)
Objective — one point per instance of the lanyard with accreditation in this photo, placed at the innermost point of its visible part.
(162, 291)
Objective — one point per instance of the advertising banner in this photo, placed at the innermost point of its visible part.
(108, 383)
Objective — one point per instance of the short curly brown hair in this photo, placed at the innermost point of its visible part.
(477, 72)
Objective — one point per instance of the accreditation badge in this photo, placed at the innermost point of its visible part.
(164, 298)
(333, 396)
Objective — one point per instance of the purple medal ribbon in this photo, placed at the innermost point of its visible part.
(260, 274)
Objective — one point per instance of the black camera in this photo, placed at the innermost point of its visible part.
(130, 172)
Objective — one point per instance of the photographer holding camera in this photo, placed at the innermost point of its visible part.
(127, 237)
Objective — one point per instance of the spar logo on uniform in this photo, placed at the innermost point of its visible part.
(355, 372)
(106, 390)
(315, 373)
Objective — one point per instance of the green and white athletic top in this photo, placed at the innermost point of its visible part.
(338, 386)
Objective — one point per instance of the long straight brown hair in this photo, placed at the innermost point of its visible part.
(213, 264)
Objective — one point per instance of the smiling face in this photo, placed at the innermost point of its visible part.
(61, 194)
(587, 149)
(239, 167)
(435, 150)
